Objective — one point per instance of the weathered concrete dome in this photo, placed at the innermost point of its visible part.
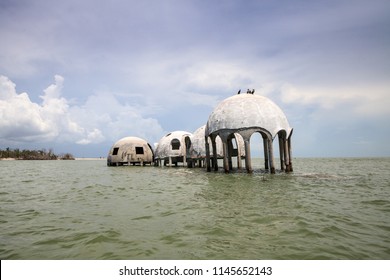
(244, 115)
(174, 147)
(243, 111)
(198, 148)
(130, 150)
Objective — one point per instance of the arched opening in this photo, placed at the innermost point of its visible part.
(235, 151)
(187, 155)
(257, 150)
(175, 144)
(261, 151)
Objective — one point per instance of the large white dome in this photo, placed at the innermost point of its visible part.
(243, 111)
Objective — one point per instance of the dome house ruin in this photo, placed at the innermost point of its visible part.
(130, 151)
(173, 148)
(198, 147)
(246, 114)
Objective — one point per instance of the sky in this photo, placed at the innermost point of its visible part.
(76, 76)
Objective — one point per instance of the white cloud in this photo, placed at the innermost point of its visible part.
(19, 117)
(101, 118)
(368, 100)
(94, 136)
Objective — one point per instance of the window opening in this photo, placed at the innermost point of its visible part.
(115, 151)
(139, 150)
(175, 144)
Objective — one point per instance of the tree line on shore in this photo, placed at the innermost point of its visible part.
(33, 154)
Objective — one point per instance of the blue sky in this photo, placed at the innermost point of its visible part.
(76, 76)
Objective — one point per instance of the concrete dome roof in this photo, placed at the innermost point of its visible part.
(130, 150)
(247, 111)
(164, 146)
(130, 140)
(198, 147)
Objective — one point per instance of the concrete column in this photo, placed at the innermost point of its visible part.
(215, 155)
(230, 153)
(281, 152)
(239, 163)
(170, 161)
(271, 156)
(286, 155)
(208, 166)
(185, 156)
(225, 157)
(289, 155)
(248, 160)
(266, 153)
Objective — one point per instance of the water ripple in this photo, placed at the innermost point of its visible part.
(326, 209)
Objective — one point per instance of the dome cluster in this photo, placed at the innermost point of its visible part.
(226, 135)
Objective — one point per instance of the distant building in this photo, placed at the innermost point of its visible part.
(245, 114)
(173, 148)
(130, 151)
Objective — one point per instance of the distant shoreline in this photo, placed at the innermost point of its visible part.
(78, 158)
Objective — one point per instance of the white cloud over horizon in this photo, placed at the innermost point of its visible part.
(144, 68)
(101, 118)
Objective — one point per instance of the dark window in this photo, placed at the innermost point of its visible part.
(115, 151)
(175, 144)
(139, 150)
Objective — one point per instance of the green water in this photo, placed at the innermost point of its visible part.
(326, 209)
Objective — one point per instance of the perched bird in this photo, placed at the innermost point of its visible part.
(239, 91)
(248, 91)
(253, 91)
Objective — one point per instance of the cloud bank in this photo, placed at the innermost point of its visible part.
(101, 118)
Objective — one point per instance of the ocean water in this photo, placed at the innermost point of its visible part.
(329, 208)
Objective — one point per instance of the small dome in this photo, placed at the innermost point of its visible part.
(172, 145)
(247, 111)
(130, 150)
(198, 147)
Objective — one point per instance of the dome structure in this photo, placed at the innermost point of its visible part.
(130, 150)
(244, 111)
(245, 114)
(173, 148)
(198, 147)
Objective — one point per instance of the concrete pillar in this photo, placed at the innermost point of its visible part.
(248, 160)
(170, 161)
(208, 166)
(230, 153)
(271, 156)
(289, 155)
(239, 163)
(281, 151)
(286, 156)
(215, 154)
(185, 158)
(266, 153)
(225, 157)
